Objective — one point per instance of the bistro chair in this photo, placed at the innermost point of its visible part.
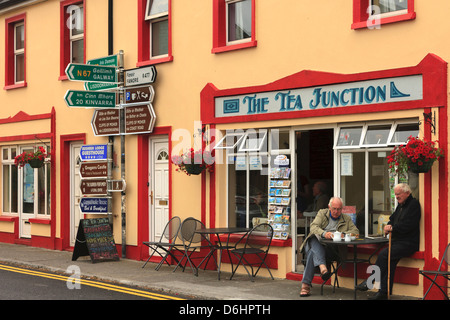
(438, 273)
(256, 240)
(166, 244)
(192, 242)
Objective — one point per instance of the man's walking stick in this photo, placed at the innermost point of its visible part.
(389, 267)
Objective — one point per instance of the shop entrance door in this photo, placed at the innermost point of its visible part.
(314, 179)
(75, 192)
(159, 187)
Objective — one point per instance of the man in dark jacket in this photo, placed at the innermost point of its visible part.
(404, 228)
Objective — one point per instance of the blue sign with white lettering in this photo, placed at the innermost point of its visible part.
(94, 152)
(94, 205)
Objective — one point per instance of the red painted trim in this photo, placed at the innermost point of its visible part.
(144, 37)
(432, 68)
(22, 116)
(65, 196)
(220, 33)
(360, 15)
(8, 218)
(64, 40)
(143, 163)
(9, 52)
(40, 221)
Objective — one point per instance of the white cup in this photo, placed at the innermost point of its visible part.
(348, 238)
(337, 236)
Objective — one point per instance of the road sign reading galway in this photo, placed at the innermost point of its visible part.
(90, 99)
(139, 76)
(86, 72)
(139, 119)
(105, 61)
(106, 122)
(94, 170)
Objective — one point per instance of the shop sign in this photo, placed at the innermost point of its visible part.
(94, 205)
(397, 89)
(94, 152)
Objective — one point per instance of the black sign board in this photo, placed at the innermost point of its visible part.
(94, 238)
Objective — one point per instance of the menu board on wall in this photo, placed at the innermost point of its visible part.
(94, 238)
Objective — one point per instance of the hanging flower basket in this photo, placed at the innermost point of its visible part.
(36, 163)
(194, 162)
(417, 155)
(194, 168)
(34, 158)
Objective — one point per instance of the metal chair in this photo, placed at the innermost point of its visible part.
(438, 273)
(256, 240)
(166, 244)
(192, 242)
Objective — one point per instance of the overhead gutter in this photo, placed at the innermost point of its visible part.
(11, 5)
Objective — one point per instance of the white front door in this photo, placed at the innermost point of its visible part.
(75, 192)
(159, 187)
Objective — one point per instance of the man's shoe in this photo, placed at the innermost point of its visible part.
(379, 296)
(362, 286)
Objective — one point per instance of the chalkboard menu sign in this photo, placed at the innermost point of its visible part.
(94, 238)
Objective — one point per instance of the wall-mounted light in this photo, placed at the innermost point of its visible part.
(430, 118)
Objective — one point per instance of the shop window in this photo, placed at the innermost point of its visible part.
(9, 181)
(279, 140)
(73, 39)
(15, 76)
(402, 131)
(374, 13)
(25, 190)
(365, 184)
(154, 32)
(233, 25)
(254, 141)
(230, 141)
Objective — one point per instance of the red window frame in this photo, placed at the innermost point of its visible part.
(220, 29)
(10, 24)
(360, 15)
(144, 37)
(64, 41)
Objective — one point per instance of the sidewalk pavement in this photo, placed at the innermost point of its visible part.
(204, 287)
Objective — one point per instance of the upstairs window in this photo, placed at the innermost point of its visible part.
(233, 25)
(15, 62)
(374, 13)
(154, 32)
(73, 39)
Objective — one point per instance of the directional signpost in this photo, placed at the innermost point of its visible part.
(139, 76)
(139, 119)
(94, 169)
(94, 187)
(85, 72)
(105, 61)
(139, 94)
(106, 122)
(94, 205)
(94, 152)
(90, 99)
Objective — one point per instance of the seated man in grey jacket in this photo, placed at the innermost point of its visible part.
(324, 225)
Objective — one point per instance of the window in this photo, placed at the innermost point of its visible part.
(373, 13)
(233, 25)
(15, 62)
(73, 40)
(9, 181)
(154, 32)
(365, 184)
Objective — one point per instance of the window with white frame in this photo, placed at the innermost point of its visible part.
(27, 189)
(19, 52)
(364, 181)
(157, 13)
(239, 20)
(76, 34)
(389, 7)
(9, 181)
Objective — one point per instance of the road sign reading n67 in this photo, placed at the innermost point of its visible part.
(86, 72)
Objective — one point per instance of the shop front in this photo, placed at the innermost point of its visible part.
(282, 149)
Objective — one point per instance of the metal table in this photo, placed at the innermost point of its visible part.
(220, 246)
(355, 243)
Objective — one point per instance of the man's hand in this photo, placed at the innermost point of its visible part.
(387, 229)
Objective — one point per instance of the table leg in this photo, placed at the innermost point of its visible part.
(355, 272)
